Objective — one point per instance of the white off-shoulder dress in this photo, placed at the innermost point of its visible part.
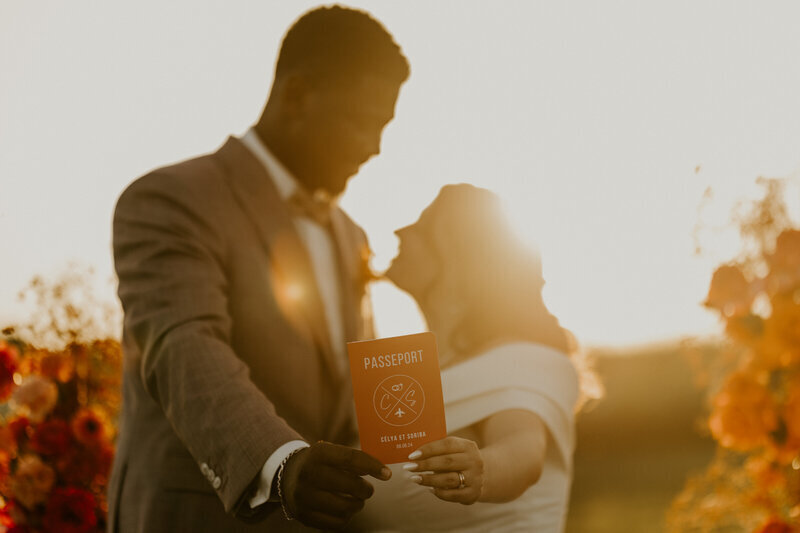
(512, 376)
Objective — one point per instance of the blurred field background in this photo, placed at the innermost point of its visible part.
(637, 445)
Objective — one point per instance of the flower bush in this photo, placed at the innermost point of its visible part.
(753, 484)
(57, 411)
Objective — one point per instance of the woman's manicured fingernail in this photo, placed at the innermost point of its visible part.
(414, 455)
(386, 473)
(410, 466)
(416, 479)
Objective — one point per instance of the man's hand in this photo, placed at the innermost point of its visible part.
(322, 485)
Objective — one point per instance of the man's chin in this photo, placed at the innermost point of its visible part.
(335, 187)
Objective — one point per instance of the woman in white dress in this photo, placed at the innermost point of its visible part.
(510, 389)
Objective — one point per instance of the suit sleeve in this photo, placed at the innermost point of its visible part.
(169, 258)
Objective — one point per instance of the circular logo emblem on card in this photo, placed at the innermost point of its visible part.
(399, 400)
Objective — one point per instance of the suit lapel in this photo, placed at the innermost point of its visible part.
(297, 286)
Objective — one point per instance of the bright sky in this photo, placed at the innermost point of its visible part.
(589, 118)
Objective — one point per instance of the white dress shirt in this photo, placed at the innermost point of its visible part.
(321, 251)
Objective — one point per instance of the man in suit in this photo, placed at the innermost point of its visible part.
(241, 283)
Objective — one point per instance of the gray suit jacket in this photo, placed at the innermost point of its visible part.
(222, 364)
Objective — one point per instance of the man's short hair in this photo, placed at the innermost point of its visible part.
(336, 42)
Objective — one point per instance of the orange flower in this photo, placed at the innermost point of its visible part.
(743, 414)
(769, 356)
(791, 415)
(32, 481)
(745, 328)
(58, 367)
(782, 328)
(784, 263)
(765, 473)
(90, 427)
(36, 397)
(730, 292)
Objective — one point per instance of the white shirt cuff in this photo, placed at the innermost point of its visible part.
(270, 468)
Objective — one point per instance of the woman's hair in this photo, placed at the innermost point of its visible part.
(497, 278)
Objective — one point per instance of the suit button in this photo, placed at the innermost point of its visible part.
(210, 476)
(204, 469)
(217, 482)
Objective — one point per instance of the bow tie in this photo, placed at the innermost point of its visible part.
(303, 204)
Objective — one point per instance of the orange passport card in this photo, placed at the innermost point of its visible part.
(398, 394)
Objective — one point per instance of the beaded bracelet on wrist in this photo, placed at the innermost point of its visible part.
(281, 496)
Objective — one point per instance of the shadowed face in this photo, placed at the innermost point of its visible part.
(416, 266)
(341, 127)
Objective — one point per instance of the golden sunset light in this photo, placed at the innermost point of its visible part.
(648, 154)
(602, 162)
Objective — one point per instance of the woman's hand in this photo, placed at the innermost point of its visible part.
(446, 458)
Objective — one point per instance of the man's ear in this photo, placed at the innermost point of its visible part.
(295, 93)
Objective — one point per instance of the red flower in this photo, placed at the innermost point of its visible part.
(8, 442)
(19, 427)
(12, 516)
(5, 471)
(776, 525)
(83, 466)
(70, 510)
(51, 437)
(8, 366)
(5, 518)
